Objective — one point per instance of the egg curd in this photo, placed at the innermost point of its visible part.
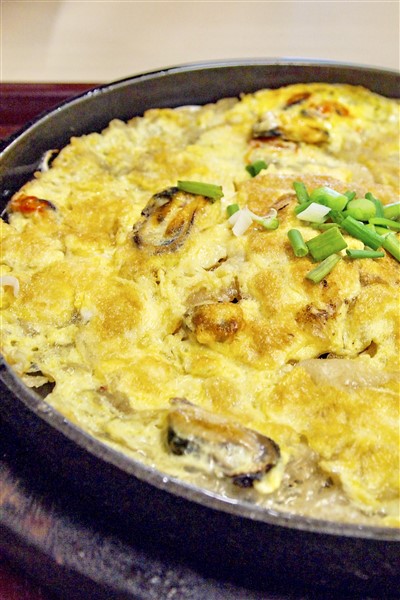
(200, 350)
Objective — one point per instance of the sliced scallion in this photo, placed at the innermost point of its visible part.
(243, 222)
(361, 232)
(269, 223)
(395, 225)
(328, 197)
(361, 209)
(208, 190)
(324, 226)
(382, 231)
(354, 253)
(297, 242)
(314, 213)
(379, 212)
(231, 209)
(350, 195)
(336, 216)
(392, 245)
(300, 207)
(329, 242)
(392, 211)
(323, 269)
(301, 192)
(256, 167)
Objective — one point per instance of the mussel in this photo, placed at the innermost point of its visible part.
(166, 220)
(219, 445)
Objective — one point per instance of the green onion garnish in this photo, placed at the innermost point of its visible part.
(298, 244)
(300, 207)
(208, 190)
(337, 216)
(386, 223)
(314, 213)
(382, 231)
(378, 204)
(326, 243)
(324, 226)
(361, 209)
(256, 167)
(269, 223)
(392, 245)
(231, 209)
(361, 232)
(321, 271)
(301, 192)
(354, 253)
(350, 195)
(392, 211)
(329, 197)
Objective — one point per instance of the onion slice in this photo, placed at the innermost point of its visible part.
(243, 222)
(315, 213)
(11, 281)
(243, 218)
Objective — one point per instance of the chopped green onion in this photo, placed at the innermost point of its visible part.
(350, 195)
(301, 192)
(354, 253)
(324, 226)
(336, 216)
(298, 244)
(208, 190)
(243, 222)
(382, 231)
(361, 209)
(392, 245)
(392, 211)
(231, 209)
(326, 243)
(329, 197)
(378, 204)
(323, 269)
(300, 207)
(386, 223)
(256, 167)
(361, 232)
(269, 223)
(314, 213)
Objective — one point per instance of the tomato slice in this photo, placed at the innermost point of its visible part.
(29, 204)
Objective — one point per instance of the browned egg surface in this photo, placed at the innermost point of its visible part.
(204, 354)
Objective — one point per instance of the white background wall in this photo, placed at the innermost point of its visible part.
(95, 40)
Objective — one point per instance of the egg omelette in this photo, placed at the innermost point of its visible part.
(204, 351)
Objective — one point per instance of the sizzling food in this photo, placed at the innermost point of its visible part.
(213, 291)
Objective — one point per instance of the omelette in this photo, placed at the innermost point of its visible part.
(213, 292)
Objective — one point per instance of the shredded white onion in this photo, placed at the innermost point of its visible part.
(44, 163)
(243, 218)
(10, 280)
(344, 373)
(315, 213)
(189, 107)
(233, 218)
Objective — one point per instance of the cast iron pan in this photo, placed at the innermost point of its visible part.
(225, 539)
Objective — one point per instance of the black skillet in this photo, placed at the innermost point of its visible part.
(225, 539)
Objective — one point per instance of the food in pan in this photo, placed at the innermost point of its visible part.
(213, 291)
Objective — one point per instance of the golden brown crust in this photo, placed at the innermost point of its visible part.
(132, 292)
